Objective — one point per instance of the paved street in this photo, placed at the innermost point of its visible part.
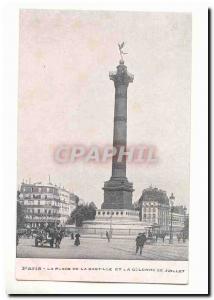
(100, 249)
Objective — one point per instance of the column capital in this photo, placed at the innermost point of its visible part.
(121, 76)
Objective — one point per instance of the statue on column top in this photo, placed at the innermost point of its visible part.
(121, 46)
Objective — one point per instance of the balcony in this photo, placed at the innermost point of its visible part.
(42, 215)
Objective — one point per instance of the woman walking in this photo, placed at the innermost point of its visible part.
(77, 239)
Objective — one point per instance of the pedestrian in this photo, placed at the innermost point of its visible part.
(58, 237)
(156, 237)
(163, 235)
(140, 240)
(72, 235)
(108, 236)
(77, 239)
(17, 239)
(184, 237)
(178, 237)
(149, 234)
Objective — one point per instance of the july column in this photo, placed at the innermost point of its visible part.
(121, 81)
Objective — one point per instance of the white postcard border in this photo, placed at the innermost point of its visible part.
(199, 193)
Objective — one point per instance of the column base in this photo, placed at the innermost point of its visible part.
(117, 194)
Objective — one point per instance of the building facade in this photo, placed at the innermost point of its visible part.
(178, 218)
(45, 203)
(154, 208)
(155, 211)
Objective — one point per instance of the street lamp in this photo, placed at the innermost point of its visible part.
(111, 223)
(184, 230)
(171, 199)
(185, 211)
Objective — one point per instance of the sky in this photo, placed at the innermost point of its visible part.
(66, 97)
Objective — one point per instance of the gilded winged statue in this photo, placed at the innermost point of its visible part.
(121, 46)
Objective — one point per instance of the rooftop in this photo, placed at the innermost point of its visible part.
(154, 194)
(40, 184)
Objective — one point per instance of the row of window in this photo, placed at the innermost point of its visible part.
(155, 204)
(35, 189)
(151, 217)
(45, 197)
(64, 195)
(48, 203)
(148, 204)
(149, 209)
(147, 216)
(38, 211)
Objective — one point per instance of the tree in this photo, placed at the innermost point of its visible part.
(20, 215)
(77, 199)
(136, 205)
(82, 213)
(18, 194)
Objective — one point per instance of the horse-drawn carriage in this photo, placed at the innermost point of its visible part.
(51, 237)
(154, 233)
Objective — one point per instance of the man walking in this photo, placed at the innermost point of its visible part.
(140, 240)
(108, 236)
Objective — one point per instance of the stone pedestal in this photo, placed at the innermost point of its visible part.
(121, 223)
(117, 194)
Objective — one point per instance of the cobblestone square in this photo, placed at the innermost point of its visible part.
(97, 248)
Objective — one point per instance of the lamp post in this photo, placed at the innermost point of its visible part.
(171, 199)
(185, 211)
(111, 224)
(184, 230)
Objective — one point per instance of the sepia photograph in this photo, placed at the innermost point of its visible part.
(103, 135)
(103, 154)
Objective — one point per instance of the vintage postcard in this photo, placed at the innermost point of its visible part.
(103, 146)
